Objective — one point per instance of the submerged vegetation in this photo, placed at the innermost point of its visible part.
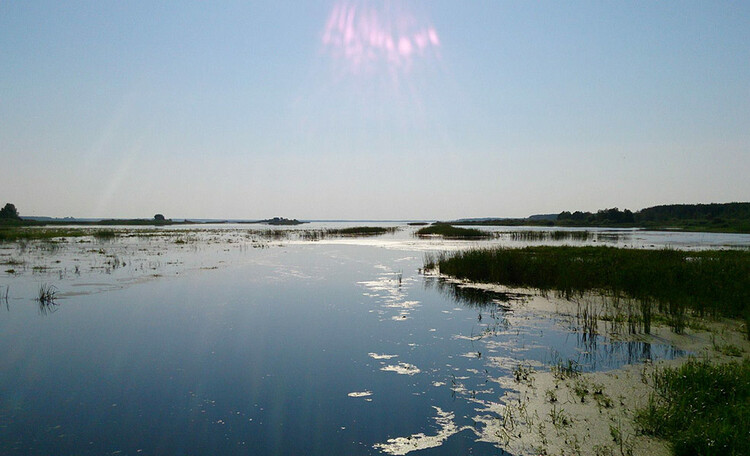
(701, 408)
(706, 283)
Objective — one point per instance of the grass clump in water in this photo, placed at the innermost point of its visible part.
(453, 232)
(541, 236)
(104, 235)
(708, 283)
(315, 235)
(361, 231)
(701, 408)
(47, 294)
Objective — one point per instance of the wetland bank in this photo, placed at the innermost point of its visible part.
(334, 338)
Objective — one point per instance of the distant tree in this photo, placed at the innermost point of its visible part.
(159, 218)
(9, 212)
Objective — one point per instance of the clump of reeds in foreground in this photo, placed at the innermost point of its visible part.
(701, 408)
(453, 232)
(707, 283)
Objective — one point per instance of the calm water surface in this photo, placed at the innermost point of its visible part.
(329, 347)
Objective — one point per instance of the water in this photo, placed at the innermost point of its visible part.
(293, 347)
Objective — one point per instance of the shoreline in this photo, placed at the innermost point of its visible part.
(560, 411)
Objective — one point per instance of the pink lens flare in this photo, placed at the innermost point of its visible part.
(367, 35)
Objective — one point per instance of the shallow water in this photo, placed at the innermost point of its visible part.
(231, 344)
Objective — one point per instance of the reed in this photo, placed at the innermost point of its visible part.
(452, 232)
(104, 235)
(673, 283)
(12, 234)
(542, 236)
(47, 294)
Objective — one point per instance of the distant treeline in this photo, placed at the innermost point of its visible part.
(715, 217)
(726, 217)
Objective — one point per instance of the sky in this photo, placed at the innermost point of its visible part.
(380, 109)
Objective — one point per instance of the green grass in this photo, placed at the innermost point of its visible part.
(707, 283)
(10, 234)
(702, 409)
(18, 233)
(453, 232)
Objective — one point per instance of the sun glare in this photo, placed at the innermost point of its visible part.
(378, 35)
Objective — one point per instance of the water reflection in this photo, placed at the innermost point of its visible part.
(313, 348)
(473, 297)
(47, 307)
(526, 336)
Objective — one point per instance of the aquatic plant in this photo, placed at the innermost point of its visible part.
(563, 370)
(47, 293)
(452, 232)
(104, 235)
(360, 231)
(540, 236)
(16, 233)
(706, 283)
(701, 408)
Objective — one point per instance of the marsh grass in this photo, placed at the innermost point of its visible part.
(701, 408)
(346, 232)
(47, 294)
(673, 283)
(104, 235)
(11, 234)
(453, 232)
(563, 370)
(541, 236)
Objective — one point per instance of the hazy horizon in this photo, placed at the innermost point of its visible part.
(378, 110)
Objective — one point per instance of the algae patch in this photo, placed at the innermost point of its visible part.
(421, 441)
(402, 368)
(360, 394)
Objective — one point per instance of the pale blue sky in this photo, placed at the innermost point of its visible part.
(264, 108)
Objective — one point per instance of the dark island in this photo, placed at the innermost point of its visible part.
(279, 221)
(714, 217)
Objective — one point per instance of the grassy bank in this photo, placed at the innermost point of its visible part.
(670, 282)
(701, 408)
(453, 232)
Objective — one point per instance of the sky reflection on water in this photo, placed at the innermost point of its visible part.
(264, 356)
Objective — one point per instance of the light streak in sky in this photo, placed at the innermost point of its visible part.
(375, 35)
